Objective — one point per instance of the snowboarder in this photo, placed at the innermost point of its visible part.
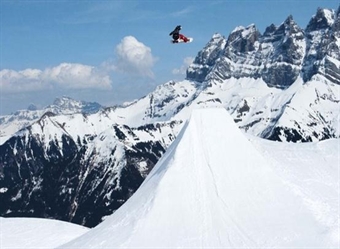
(176, 36)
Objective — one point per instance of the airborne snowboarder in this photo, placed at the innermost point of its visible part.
(177, 37)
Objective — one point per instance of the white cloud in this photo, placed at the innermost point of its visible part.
(65, 75)
(182, 70)
(21, 81)
(133, 57)
(78, 76)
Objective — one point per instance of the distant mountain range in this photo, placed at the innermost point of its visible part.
(20, 119)
(79, 161)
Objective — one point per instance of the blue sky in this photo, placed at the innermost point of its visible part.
(116, 51)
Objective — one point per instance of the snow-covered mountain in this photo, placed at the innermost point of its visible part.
(55, 169)
(10, 124)
(214, 189)
(282, 85)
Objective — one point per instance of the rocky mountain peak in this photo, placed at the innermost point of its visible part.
(289, 36)
(69, 105)
(286, 25)
(289, 20)
(322, 55)
(243, 39)
(278, 56)
(288, 29)
(216, 37)
(32, 107)
(293, 28)
(323, 19)
(206, 58)
(270, 30)
(65, 101)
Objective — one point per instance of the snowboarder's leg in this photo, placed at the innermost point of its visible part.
(175, 37)
(182, 37)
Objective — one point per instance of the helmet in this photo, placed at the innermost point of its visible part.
(179, 27)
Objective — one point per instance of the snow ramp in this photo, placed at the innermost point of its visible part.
(211, 189)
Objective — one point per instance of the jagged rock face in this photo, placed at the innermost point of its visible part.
(286, 56)
(323, 46)
(31, 179)
(239, 55)
(280, 75)
(278, 56)
(320, 20)
(273, 56)
(243, 40)
(206, 59)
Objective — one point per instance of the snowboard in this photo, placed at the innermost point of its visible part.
(182, 41)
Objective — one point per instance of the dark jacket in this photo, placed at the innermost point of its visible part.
(175, 32)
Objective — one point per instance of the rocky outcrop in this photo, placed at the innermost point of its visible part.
(278, 56)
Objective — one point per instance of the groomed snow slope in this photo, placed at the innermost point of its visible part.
(19, 233)
(312, 171)
(211, 189)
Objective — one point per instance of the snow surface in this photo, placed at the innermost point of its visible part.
(36, 233)
(329, 15)
(311, 170)
(302, 103)
(214, 188)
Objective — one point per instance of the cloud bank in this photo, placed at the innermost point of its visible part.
(133, 57)
(65, 75)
